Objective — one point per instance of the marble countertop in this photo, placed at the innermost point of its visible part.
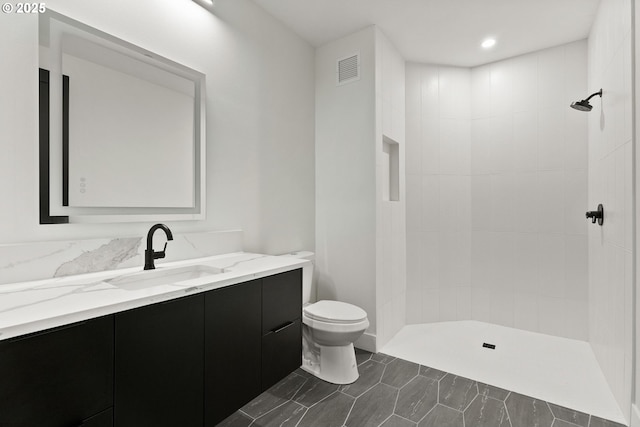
(28, 307)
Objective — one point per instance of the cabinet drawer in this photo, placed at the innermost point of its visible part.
(57, 377)
(281, 299)
(281, 353)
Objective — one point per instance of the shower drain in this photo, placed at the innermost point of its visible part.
(490, 346)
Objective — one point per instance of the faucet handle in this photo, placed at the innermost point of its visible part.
(160, 254)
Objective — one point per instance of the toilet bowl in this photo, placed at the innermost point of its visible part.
(329, 329)
(328, 332)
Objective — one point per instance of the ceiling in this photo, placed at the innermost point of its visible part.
(447, 32)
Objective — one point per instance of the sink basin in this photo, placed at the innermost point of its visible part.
(162, 276)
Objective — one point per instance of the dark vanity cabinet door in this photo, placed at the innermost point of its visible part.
(159, 364)
(232, 348)
(103, 419)
(281, 326)
(61, 377)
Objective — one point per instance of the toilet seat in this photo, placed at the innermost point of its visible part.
(336, 312)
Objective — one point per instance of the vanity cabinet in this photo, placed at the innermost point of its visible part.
(159, 364)
(281, 326)
(61, 377)
(232, 348)
(188, 362)
(253, 339)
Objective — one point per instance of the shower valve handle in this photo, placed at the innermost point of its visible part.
(597, 215)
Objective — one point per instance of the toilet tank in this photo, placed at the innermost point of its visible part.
(308, 284)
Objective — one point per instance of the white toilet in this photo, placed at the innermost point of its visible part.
(328, 332)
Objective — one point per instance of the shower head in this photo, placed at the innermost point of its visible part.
(584, 104)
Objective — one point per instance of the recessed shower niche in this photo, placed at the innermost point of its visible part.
(123, 128)
(391, 169)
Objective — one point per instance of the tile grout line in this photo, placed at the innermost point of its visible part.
(303, 415)
(350, 409)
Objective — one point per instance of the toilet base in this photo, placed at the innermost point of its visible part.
(334, 364)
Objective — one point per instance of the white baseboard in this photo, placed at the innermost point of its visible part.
(366, 342)
(635, 416)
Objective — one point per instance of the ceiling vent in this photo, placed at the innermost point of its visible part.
(348, 69)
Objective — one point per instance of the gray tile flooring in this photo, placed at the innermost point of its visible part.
(393, 392)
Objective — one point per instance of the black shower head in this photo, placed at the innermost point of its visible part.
(584, 104)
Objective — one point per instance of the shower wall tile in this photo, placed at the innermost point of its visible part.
(501, 148)
(430, 260)
(502, 308)
(481, 304)
(628, 196)
(551, 193)
(552, 265)
(430, 198)
(454, 146)
(481, 219)
(528, 211)
(454, 259)
(414, 201)
(525, 140)
(454, 88)
(504, 191)
(551, 315)
(525, 311)
(527, 263)
(551, 137)
(551, 78)
(414, 305)
(610, 182)
(575, 201)
(503, 262)
(430, 305)
(392, 216)
(576, 262)
(448, 304)
(480, 140)
(576, 135)
(482, 260)
(501, 99)
(430, 142)
(439, 211)
(577, 315)
(480, 92)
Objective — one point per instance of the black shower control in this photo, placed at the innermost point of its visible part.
(597, 215)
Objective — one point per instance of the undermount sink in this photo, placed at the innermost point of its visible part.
(162, 276)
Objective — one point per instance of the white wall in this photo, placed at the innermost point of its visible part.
(346, 176)
(529, 192)
(360, 232)
(635, 408)
(390, 215)
(438, 103)
(497, 187)
(260, 117)
(610, 183)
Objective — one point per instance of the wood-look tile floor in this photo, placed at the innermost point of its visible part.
(393, 392)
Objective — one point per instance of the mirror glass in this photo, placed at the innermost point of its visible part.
(125, 129)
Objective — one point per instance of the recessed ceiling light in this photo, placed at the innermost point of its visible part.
(488, 43)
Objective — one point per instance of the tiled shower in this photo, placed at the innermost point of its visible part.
(500, 172)
(497, 189)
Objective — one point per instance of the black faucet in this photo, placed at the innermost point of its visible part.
(149, 254)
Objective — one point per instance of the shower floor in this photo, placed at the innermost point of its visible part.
(559, 370)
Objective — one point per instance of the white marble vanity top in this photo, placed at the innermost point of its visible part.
(28, 307)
